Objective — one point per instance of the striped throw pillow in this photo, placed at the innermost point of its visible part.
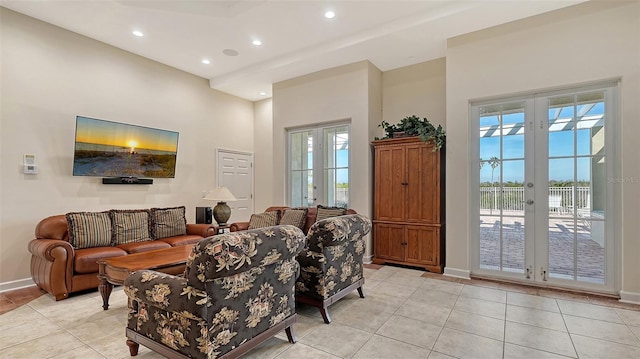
(266, 219)
(129, 226)
(89, 229)
(295, 217)
(168, 222)
(328, 212)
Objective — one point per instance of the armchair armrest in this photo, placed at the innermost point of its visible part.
(313, 266)
(52, 265)
(239, 226)
(308, 258)
(166, 292)
(202, 229)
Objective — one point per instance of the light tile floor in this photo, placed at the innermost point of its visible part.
(406, 314)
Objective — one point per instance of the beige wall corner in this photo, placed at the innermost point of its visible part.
(263, 157)
(418, 89)
(50, 75)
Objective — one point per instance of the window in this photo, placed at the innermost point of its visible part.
(319, 166)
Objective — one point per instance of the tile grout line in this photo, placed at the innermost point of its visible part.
(504, 326)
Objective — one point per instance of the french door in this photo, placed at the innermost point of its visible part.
(318, 166)
(543, 203)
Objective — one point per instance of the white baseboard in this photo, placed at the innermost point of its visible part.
(629, 297)
(16, 284)
(457, 273)
(367, 259)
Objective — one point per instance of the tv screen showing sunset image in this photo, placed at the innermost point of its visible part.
(112, 149)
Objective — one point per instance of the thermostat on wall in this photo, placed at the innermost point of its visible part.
(30, 166)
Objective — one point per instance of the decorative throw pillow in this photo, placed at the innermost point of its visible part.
(130, 226)
(89, 229)
(328, 212)
(168, 222)
(295, 217)
(266, 219)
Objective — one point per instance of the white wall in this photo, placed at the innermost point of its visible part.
(263, 157)
(583, 43)
(49, 76)
(418, 89)
(350, 92)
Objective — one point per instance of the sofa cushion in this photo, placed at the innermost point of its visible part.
(295, 217)
(85, 259)
(89, 229)
(266, 219)
(130, 226)
(328, 212)
(181, 240)
(168, 222)
(143, 246)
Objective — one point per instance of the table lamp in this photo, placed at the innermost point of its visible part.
(221, 212)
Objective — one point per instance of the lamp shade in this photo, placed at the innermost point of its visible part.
(220, 194)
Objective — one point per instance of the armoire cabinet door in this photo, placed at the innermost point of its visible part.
(422, 184)
(388, 241)
(389, 188)
(423, 245)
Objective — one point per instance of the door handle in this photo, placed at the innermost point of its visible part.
(529, 201)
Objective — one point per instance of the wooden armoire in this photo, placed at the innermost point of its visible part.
(408, 208)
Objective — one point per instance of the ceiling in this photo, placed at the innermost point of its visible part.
(297, 38)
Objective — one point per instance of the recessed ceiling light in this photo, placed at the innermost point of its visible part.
(329, 14)
(206, 61)
(263, 93)
(257, 42)
(137, 33)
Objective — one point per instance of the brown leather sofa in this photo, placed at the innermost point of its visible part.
(312, 213)
(60, 269)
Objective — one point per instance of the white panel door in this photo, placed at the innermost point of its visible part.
(235, 171)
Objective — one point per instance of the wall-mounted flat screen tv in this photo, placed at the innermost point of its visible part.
(112, 149)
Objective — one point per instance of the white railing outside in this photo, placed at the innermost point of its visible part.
(512, 198)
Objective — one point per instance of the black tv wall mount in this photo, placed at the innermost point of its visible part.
(127, 180)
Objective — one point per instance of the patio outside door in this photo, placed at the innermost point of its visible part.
(543, 201)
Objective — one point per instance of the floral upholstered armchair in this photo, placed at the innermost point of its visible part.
(237, 291)
(331, 264)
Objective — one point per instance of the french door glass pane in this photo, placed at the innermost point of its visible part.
(502, 220)
(301, 173)
(490, 243)
(577, 179)
(336, 165)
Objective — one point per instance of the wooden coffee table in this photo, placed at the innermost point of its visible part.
(113, 271)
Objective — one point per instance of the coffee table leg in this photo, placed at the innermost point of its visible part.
(105, 290)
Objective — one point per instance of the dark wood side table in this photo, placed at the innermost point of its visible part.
(221, 228)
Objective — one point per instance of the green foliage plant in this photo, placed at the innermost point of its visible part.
(414, 126)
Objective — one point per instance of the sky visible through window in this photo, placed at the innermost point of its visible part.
(342, 158)
(561, 144)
